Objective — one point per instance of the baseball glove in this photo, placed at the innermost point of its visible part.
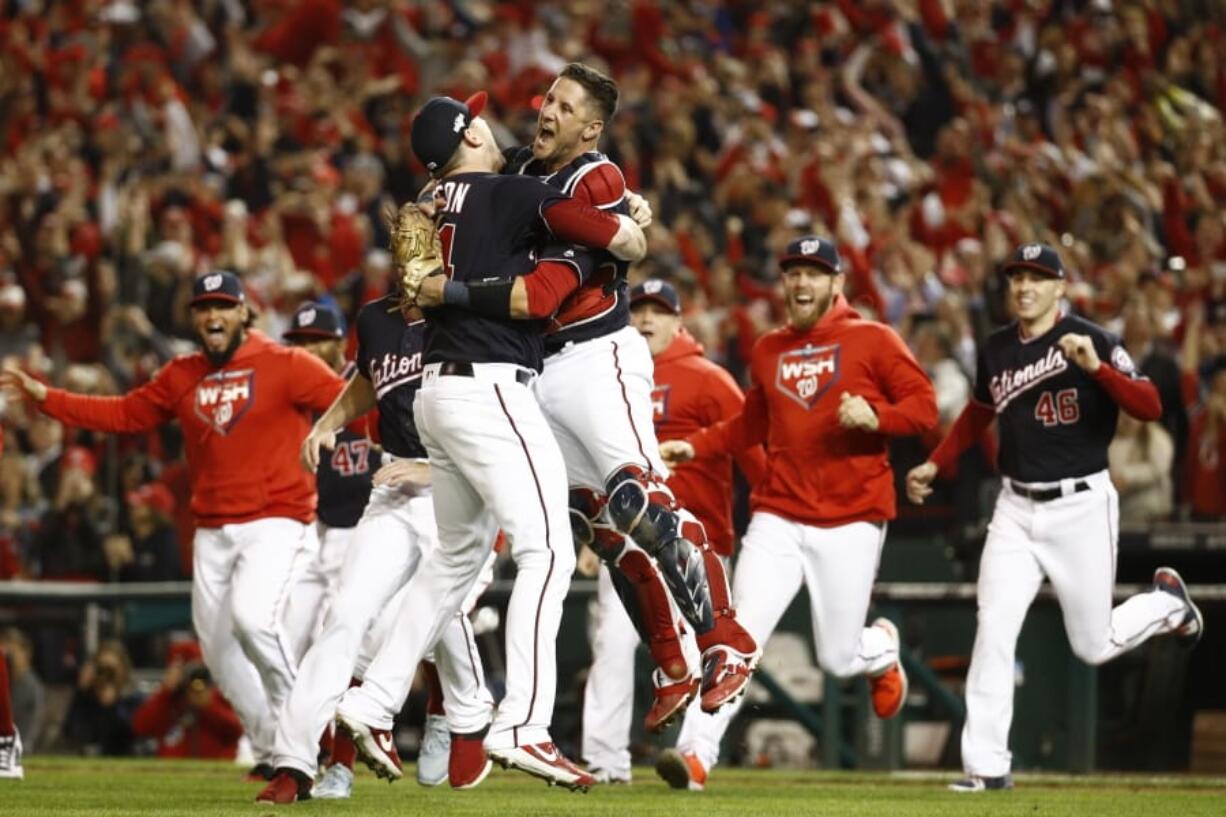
(416, 251)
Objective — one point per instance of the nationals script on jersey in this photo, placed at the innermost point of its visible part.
(1056, 420)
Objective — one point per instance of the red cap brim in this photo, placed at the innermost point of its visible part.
(476, 103)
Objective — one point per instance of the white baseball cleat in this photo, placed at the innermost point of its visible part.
(974, 784)
(336, 784)
(606, 776)
(435, 752)
(543, 760)
(10, 757)
(375, 747)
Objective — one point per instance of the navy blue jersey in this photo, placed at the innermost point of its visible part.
(602, 303)
(390, 356)
(343, 479)
(1056, 421)
(489, 226)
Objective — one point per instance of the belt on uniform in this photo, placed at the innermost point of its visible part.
(1046, 494)
(457, 369)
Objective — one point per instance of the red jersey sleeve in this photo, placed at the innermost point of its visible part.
(737, 433)
(911, 402)
(312, 384)
(548, 285)
(572, 220)
(602, 186)
(144, 408)
(217, 717)
(1137, 396)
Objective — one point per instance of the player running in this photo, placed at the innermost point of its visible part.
(243, 402)
(494, 461)
(395, 535)
(829, 391)
(1056, 384)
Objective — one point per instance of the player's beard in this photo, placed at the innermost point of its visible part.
(217, 359)
(820, 306)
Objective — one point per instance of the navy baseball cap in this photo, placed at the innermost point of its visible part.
(1041, 258)
(221, 285)
(314, 321)
(812, 249)
(658, 291)
(439, 126)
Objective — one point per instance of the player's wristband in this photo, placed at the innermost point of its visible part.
(455, 293)
(491, 297)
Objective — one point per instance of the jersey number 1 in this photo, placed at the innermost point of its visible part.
(1062, 409)
(446, 237)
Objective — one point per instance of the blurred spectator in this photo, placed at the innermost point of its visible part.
(149, 551)
(99, 719)
(188, 715)
(25, 687)
(1140, 459)
(17, 335)
(68, 542)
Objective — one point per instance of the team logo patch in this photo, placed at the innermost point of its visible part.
(659, 404)
(306, 317)
(806, 374)
(811, 247)
(1122, 361)
(1031, 251)
(223, 398)
(212, 283)
(653, 286)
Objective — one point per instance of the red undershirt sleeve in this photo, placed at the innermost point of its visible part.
(1138, 397)
(966, 431)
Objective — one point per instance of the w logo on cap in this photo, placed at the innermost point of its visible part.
(811, 246)
(213, 282)
(1031, 251)
(653, 286)
(306, 317)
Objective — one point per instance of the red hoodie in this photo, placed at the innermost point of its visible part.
(242, 426)
(692, 393)
(820, 473)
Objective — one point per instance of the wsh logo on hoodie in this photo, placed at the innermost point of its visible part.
(805, 374)
(222, 398)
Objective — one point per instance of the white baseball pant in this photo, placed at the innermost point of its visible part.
(838, 565)
(313, 594)
(242, 576)
(495, 465)
(396, 532)
(1072, 541)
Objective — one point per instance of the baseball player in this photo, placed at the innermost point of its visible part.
(243, 402)
(829, 391)
(690, 393)
(10, 738)
(395, 534)
(620, 504)
(494, 461)
(1056, 384)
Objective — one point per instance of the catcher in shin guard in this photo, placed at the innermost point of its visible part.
(641, 507)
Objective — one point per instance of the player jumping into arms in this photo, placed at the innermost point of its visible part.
(395, 535)
(620, 506)
(691, 393)
(494, 460)
(244, 403)
(1056, 384)
(829, 391)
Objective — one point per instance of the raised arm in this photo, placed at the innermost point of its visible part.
(141, 409)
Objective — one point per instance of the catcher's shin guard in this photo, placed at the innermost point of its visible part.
(643, 508)
(642, 592)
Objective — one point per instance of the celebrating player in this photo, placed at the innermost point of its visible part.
(1056, 383)
(690, 393)
(395, 534)
(829, 390)
(604, 430)
(494, 461)
(244, 403)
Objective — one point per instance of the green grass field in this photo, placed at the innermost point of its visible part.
(71, 786)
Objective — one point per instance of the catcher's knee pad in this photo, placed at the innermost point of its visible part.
(642, 507)
(588, 527)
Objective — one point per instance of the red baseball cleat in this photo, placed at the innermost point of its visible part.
(543, 760)
(468, 764)
(725, 675)
(287, 786)
(889, 689)
(375, 747)
(670, 700)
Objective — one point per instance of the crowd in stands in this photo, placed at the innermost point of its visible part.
(144, 143)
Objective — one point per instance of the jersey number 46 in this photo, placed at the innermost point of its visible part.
(1057, 410)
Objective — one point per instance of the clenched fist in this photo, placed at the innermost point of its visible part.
(1080, 350)
(919, 482)
(855, 412)
(675, 452)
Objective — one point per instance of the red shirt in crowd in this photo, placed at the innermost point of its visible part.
(209, 731)
(242, 426)
(820, 473)
(692, 393)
